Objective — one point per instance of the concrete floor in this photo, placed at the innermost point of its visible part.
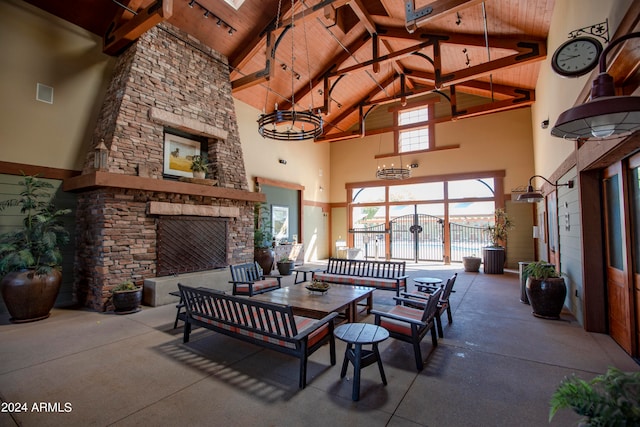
(497, 366)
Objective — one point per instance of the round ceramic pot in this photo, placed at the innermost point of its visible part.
(28, 296)
(285, 268)
(546, 296)
(471, 263)
(127, 301)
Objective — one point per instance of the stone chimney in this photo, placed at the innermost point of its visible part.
(167, 80)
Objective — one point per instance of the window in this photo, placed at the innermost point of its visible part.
(414, 139)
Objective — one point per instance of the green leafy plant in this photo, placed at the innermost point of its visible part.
(499, 231)
(285, 259)
(607, 400)
(541, 270)
(262, 235)
(199, 164)
(37, 244)
(127, 285)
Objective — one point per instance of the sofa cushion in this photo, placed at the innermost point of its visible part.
(357, 280)
(258, 285)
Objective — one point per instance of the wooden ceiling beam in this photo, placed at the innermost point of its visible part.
(336, 61)
(432, 11)
(528, 51)
(122, 32)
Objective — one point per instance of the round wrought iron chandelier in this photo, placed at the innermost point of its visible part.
(291, 125)
(393, 173)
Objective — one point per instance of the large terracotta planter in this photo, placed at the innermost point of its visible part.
(546, 296)
(264, 257)
(28, 296)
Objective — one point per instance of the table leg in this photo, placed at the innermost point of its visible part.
(355, 395)
(343, 372)
(377, 353)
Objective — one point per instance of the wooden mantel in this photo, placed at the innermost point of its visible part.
(105, 179)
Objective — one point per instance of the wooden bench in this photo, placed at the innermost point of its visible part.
(249, 279)
(386, 275)
(268, 325)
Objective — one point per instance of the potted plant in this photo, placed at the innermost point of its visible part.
(285, 266)
(546, 289)
(263, 238)
(471, 263)
(30, 257)
(607, 400)
(126, 297)
(199, 166)
(494, 255)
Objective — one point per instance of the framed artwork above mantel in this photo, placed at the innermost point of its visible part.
(179, 151)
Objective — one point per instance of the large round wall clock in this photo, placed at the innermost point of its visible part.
(576, 57)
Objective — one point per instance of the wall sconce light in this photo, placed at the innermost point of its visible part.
(413, 165)
(605, 114)
(101, 157)
(321, 189)
(544, 124)
(282, 161)
(533, 196)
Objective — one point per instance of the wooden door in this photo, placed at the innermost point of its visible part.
(634, 205)
(616, 242)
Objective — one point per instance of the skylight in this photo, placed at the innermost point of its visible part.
(234, 3)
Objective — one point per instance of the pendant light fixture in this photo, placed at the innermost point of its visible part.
(291, 125)
(605, 114)
(534, 196)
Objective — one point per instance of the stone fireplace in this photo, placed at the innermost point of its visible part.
(133, 219)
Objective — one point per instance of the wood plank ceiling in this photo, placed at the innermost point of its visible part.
(350, 57)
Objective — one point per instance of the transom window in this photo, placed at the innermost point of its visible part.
(415, 139)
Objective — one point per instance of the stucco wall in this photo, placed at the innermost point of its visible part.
(36, 47)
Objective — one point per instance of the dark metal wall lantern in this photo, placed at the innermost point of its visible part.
(534, 196)
(605, 114)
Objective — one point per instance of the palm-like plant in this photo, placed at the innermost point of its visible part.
(37, 244)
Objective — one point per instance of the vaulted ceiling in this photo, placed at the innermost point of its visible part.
(348, 58)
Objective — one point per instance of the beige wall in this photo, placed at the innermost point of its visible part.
(493, 142)
(38, 48)
(555, 94)
(307, 165)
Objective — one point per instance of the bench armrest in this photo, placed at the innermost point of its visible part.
(419, 302)
(410, 295)
(379, 314)
(316, 325)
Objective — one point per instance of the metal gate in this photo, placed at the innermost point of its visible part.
(370, 240)
(417, 237)
(467, 240)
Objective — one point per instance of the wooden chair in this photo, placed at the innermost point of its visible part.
(411, 324)
(443, 304)
(249, 279)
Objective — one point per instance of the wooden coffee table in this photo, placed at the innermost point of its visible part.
(339, 298)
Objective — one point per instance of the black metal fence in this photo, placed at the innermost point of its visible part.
(467, 241)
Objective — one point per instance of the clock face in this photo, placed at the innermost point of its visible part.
(576, 57)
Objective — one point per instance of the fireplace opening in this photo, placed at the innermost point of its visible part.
(190, 243)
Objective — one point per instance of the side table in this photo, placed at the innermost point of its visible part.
(356, 335)
(427, 283)
(304, 270)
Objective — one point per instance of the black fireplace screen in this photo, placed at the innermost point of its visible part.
(191, 243)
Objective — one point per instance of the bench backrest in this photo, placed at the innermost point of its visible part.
(365, 268)
(229, 312)
(247, 272)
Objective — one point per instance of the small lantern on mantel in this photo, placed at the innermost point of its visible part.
(101, 156)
